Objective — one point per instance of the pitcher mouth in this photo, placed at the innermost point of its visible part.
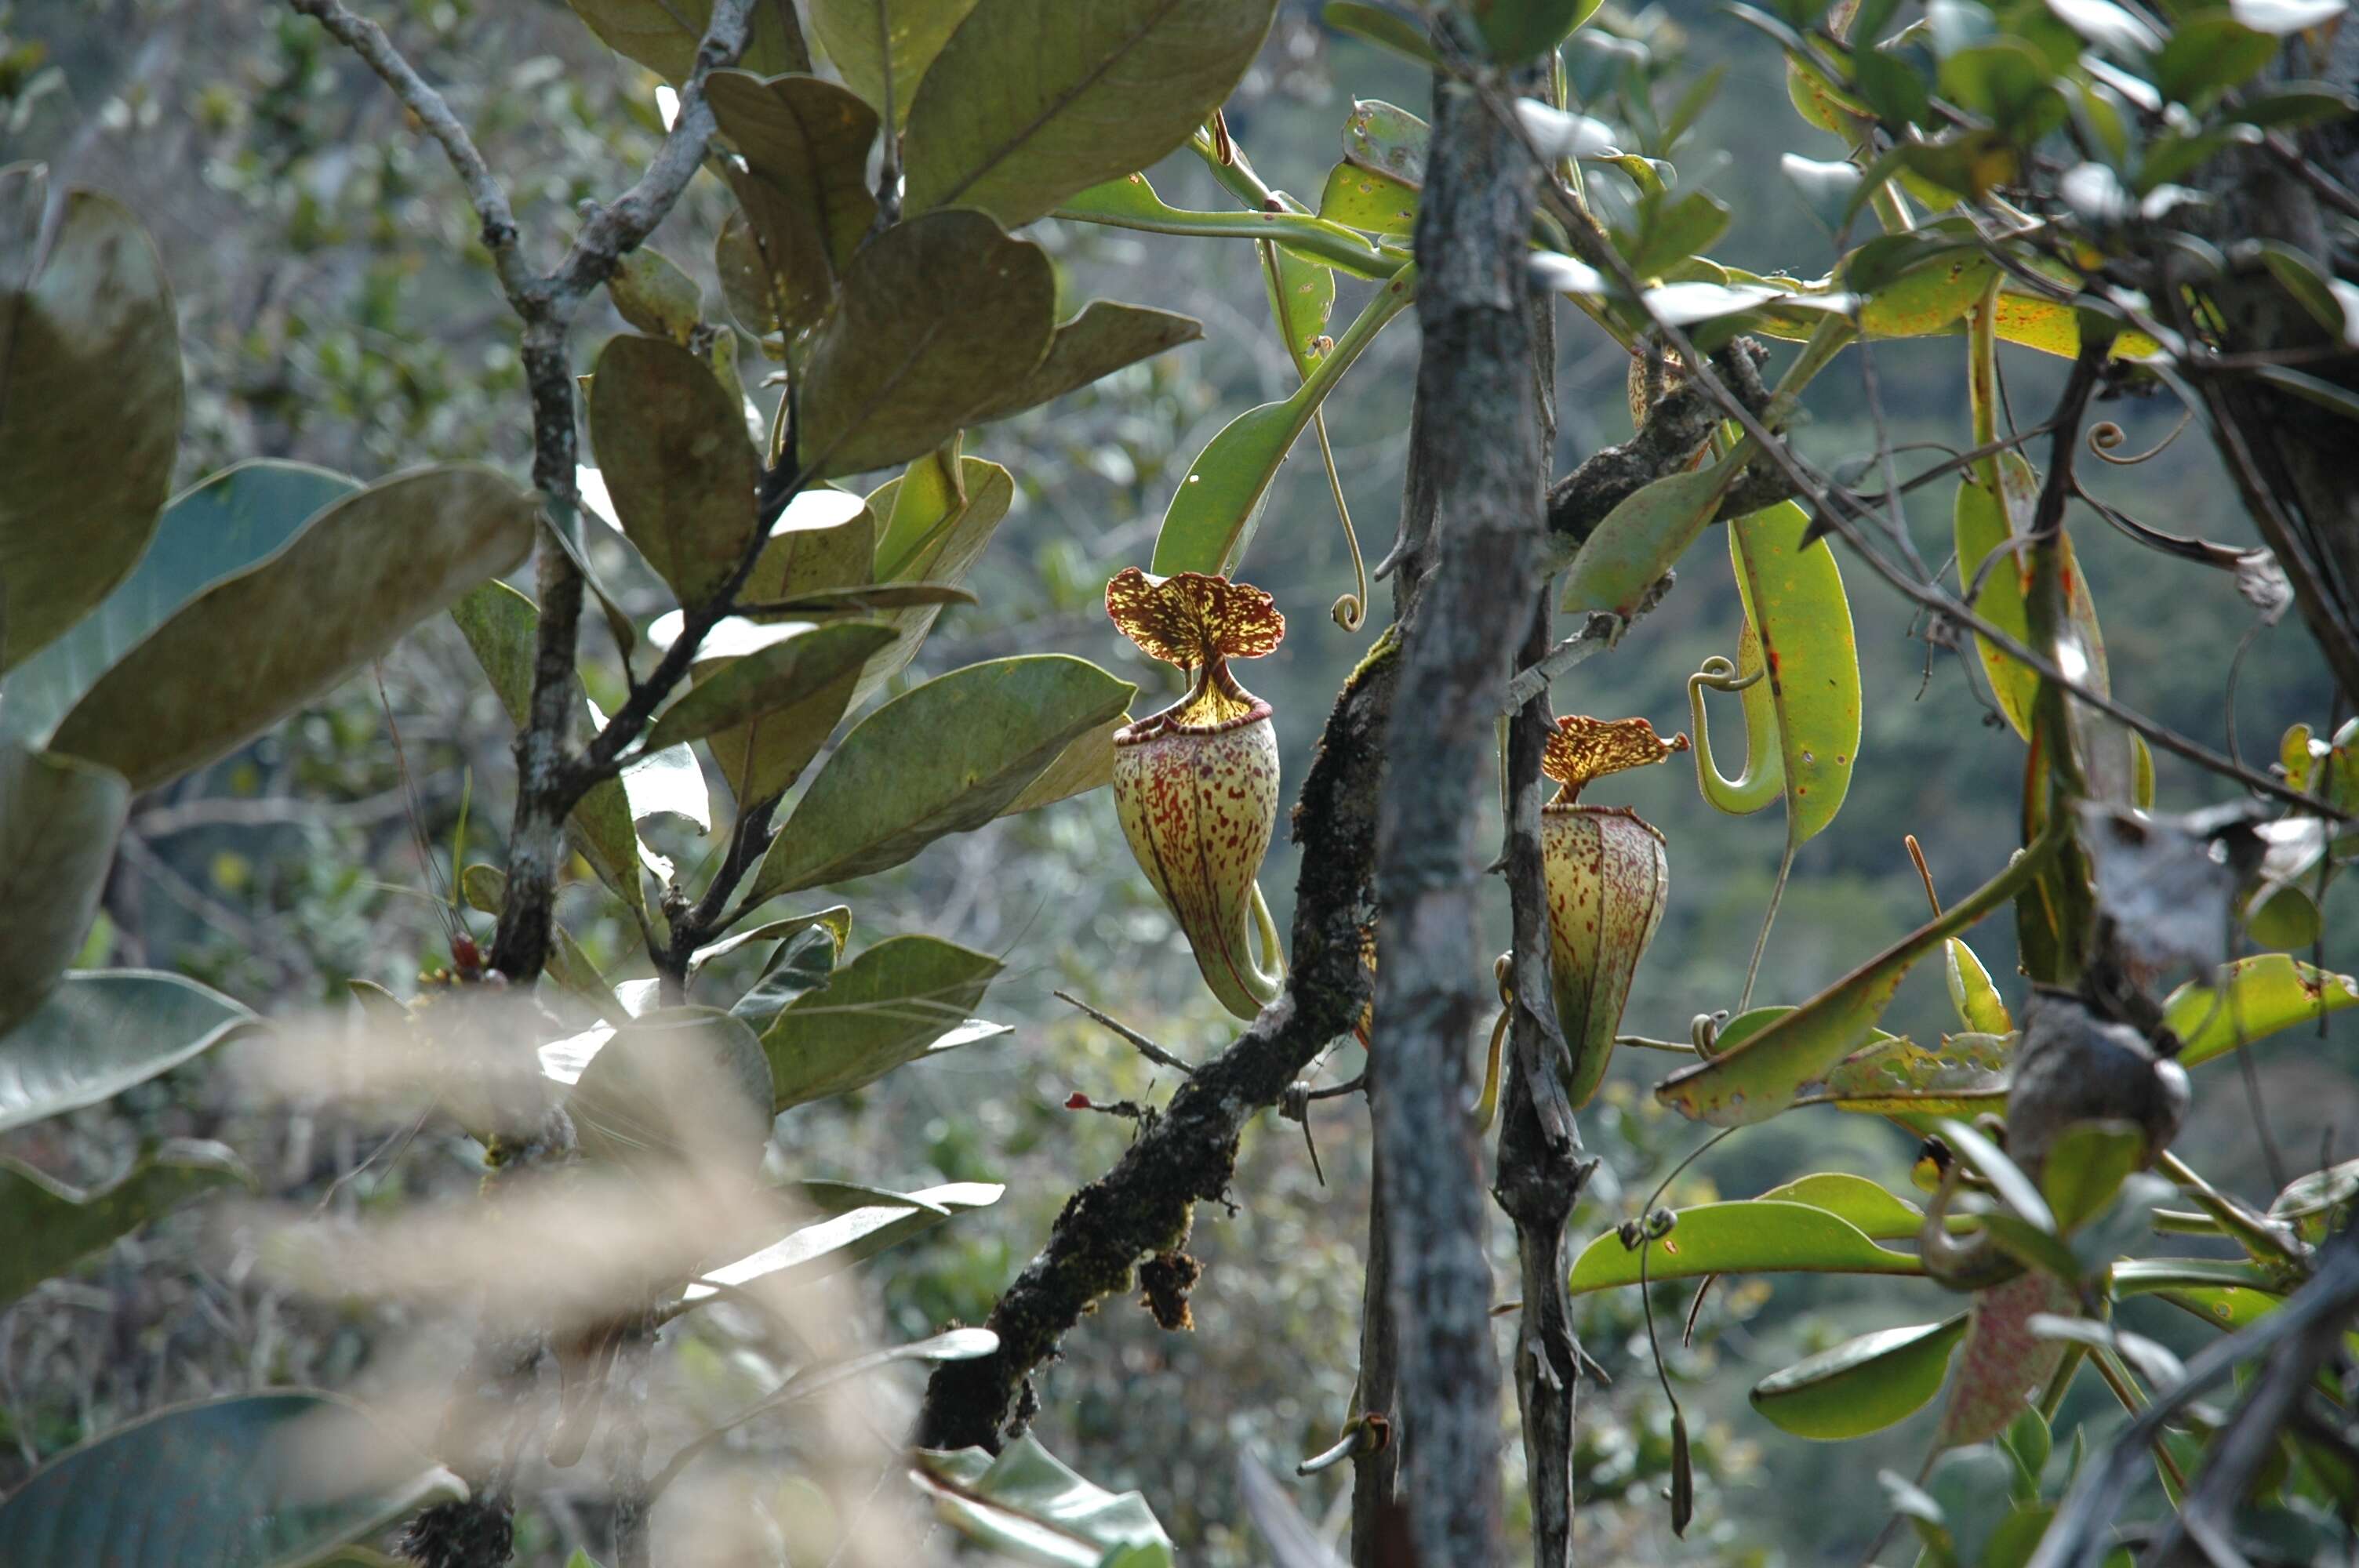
(1155, 726)
(1573, 808)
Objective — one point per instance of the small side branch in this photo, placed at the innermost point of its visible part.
(1146, 1047)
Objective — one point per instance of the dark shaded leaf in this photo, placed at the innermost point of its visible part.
(59, 820)
(861, 37)
(271, 1480)
(1025, 1502)
(90, 406)
(672, 446)
(54, 1226)
(663, 35)
(99, 1032)
(905, 998)
(774, 682)
(1031, 101)
(805, 187)
(1103, 339)
(1863, 1385)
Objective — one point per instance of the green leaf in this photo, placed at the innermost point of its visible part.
(1763, 1076)
(836, 918)
(1085, 765)
(938, 519)
(942, 758)
(804, 189)
(1130, 202)
(663, 35)
(936, 319)
(272, 1480)
(741, 263)
(862, 598)
(59, 820)
(1878, 1214)
(2086, 1166)
(1218, 504)
(672, 446)
(1368, 202)
(1642, 537)
(1005, 125)
(801, 963)
(2262, 995)
(1387, 140)
(2312, 1203)
(675, 1085)
(2007, 1179)
(905, 998)
(1797, 634)
(1025, 1502)
(256, 646)
(862, 36)
(651, 293)
(224, 524)
(1301, 295)
(1519, 29)
(861, 1223)
(1863, 1385)
(1980, 1007)
(774, 684)
(100, 1032)
(1751, 1237)
(1101, 340)
(90, 406)
(1388, 29)
(502, 626)
(55, 1226)
(1676, 230)
(2206, 55)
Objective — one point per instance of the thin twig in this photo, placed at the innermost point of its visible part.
(1147, 1048)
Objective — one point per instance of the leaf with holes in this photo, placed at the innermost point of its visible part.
(1031, 101)
(90, 405)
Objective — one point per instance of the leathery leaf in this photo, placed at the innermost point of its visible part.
(1752, 1237)
(1863, 1385)
(1799, 650)
(1643, 537)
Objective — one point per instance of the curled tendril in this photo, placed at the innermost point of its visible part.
(2104, 437)
(1350, 609)
(1199, 624)
(1584, 749)
(1720, 676)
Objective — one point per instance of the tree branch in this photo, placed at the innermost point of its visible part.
(1143, 1205)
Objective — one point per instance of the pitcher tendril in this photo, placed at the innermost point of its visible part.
(1196, 785)
(1607, 878)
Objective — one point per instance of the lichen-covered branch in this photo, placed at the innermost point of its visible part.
(1187, 1153)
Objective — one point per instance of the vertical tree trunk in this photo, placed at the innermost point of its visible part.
(1477, 446)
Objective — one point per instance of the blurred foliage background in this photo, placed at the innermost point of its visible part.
(335, 308)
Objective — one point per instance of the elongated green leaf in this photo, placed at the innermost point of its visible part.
(772, 683)
(1026, 1502)
(1301, 301)
(99, 1032)
(1863, 1385)
(1519, 29)
(1388, 29)
(1218, 504)
(1795, 597)
(1752, 1237)
(675, 1086)
(271, 1480)
(672, 446)
(2263, 994)
(1130, 202)
(1760, 1078)
(53, 1225)
(1085, 765)
(89, 408)
(651, 293)
(663, 35)
(1643, 537)
(1972, 992)
(258, 645)
(1878, 1214)
(804, 189)
(942, 758)
(1103, 339)
(836, 918)
(2314, 1203)
(802, 963)
(2085, 1167)
(1031, 101)
(502, 625)
(936, 319)
(862, 37)
(863, 598)
(59, 820)
(862, 1222)
(2002, 1363)
(2144, 1276)
(905, 998)
(1901, 1079)
(223, 525)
